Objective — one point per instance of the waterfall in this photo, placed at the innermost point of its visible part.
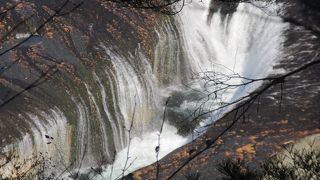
(130, 88)
(247, 38)
(247, 42)
(42, 124)
(242, 43)
(136, 90)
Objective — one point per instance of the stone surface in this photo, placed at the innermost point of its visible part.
(280, 118)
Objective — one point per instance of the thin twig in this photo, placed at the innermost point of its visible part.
(129, 139)
(157, 149)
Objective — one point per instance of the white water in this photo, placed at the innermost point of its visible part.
(142, 152)
(53, 124)
(133, 91)
(248, 45)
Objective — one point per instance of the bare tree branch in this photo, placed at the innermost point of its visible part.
(157, 149)
(129, 140)
(41, 26)
(245, 105)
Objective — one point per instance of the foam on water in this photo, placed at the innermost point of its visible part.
(248, 42)
(142, 151)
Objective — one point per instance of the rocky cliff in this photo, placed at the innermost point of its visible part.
(283, 114)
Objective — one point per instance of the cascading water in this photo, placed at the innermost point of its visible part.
(132, 88)
(247, 42)
(242, 43)
(53, 123)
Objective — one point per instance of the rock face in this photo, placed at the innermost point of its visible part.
(63, 81)
(283, 114)
(81, 77)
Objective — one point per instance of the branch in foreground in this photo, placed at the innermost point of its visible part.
(245, 105)
(129, 141)
(57, 13)
(157, 149)
(52, 70)
(163, 6)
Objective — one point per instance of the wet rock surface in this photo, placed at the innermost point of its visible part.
(53, 68)
(180, 107)
(282, 115)
(72, 46)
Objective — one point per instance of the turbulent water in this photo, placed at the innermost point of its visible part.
(133, 88)
(240, 43)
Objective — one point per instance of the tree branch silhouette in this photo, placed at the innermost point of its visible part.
(125, 167)
(48, 73)
(162, 6)
(56, 13)
(245, 103)
(157, 149)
